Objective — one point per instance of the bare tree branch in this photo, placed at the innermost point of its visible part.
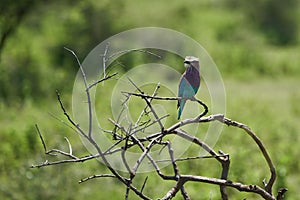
(144, 96)
(86, 90)
(41, 137)
(101, 80)
(126, 137)
(104, 60)
(97, 176)
(262, 148)
(148, 104)
(144, 183)
(133, 50)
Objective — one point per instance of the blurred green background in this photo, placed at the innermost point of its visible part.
(255, 44)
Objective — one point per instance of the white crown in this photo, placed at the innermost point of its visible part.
(191, 59)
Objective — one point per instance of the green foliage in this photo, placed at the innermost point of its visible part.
(255, 44)
(82, 25)
(277, 20)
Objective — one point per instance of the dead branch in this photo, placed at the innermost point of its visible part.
(126, 137)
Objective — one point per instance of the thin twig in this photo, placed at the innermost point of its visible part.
(41, 137)
(133, 50)
(68, 116)
(97, 176)
(104, 60)
(70, 146)
(171, 153)
(149, 105)
(144, 183)
(193, 139)
(87, 92)
(144, 96)
(144, 110)
(101, 80)
(63, 122)
(190, 158)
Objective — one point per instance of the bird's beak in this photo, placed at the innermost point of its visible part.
(186, 64)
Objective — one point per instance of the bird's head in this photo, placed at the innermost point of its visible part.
(191, 61)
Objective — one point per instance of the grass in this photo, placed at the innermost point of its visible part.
(269, 108)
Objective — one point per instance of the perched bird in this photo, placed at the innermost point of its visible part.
(189, 82)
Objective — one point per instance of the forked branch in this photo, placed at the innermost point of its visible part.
(127, 137)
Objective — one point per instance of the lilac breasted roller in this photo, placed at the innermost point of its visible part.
(189, 82)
